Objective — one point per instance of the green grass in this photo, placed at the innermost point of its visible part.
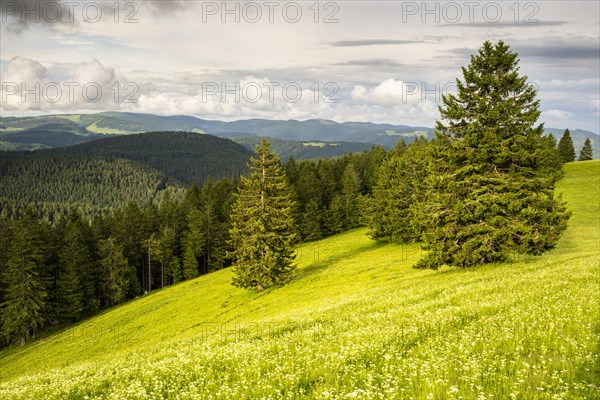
(71, 117)
(107, 131)
(356, 322)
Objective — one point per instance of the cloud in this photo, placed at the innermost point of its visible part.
(23, 70)
(563, 50)
(556, 114)
(165, 7)
(71, 42)
(549, 48)
(20, 15)
(371, 62)
(505, 24)
(28, 85)
(371, 42)
(389, 92)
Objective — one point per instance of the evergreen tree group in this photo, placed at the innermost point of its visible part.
(79, 264)
(483, 188)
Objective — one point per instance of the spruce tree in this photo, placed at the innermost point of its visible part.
(193, 241)
(190, 263)
(586, 151)
(115, 268)
(565, 147)
(74, 259)
(351, 198)
(6, 234)
(334, 217)
(215, 206)
(310, 227)
(489, 192)
(132, 241)
(263, 229)
(392, 213)
(24, 299)
(553, 157)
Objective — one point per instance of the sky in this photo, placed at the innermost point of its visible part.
(376, 61)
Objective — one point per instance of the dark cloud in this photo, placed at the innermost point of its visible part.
(19, 15)
(560, 51)
(371, 42)
(506, 24)
(371, 62)
(165, 6)
(557, 49)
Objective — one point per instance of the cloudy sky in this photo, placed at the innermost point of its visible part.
(379, 61)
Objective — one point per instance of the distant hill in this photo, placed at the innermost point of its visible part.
(183, 156)
(304, 150)
(310, 130)
(313, 130)
(95, 176)
(47, 136)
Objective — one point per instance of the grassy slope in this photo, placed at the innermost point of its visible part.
(357, 321)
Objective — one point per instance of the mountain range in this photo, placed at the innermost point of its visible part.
(314, 138)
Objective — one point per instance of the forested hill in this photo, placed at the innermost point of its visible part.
(184, 156)
(98, 176)
(54, 185)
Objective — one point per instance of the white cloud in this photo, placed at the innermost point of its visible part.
(28, 85)
(557, 114)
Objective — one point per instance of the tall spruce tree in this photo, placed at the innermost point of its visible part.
(310, 227)
(490, 191)
(263, 229)
(74, 267)
(566, 148)
(193, 242)
(586, 151)
(24, 299)
(114, 267)
(351, 198)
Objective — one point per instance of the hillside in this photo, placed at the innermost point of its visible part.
(312, 130)
(183, 156)
(304, 150)
(46, 136)
(105, 174)
(356, 322)
(57, 184)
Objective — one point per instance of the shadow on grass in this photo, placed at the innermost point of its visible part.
(323, 262)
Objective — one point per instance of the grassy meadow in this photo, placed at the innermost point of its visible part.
(356, 322)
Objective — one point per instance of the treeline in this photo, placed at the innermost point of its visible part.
(58, 273)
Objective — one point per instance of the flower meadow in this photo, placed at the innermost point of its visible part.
(357, 322)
